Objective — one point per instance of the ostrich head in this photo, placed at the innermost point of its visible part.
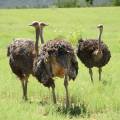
(36, 25)
(100, 27)
(42, 25)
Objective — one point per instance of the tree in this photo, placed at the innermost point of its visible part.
(116, 2)
(89, 2)
(66, 3)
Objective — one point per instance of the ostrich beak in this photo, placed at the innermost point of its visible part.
(46, 24)
(30, 25)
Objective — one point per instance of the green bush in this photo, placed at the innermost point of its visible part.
(116, 2)
(67, 3)
(89, 2)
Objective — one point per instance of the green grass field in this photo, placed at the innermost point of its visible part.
(100, 101)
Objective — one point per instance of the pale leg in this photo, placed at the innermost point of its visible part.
(91, 74)
(100, 71)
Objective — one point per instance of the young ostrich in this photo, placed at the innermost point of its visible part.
(22, 53)
(56, 59)
(93, 53)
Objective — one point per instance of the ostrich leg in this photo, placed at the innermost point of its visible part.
(100, 71)
(91, 74)
(53, 93)
(67, 68)
(25, 92)
(24, 87)
(47, 67)
(66, 88)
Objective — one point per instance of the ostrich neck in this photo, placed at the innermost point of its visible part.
(99, 39)
(37, 40)
(41, 36)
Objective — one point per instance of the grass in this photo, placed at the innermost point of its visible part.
(100, 101)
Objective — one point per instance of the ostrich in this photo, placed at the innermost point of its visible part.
(22, 54)
(94, 53)
(56, 59)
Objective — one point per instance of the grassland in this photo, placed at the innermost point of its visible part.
(100, 101)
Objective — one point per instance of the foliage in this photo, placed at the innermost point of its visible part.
(116, 2)
(89, 2)
(67, 3)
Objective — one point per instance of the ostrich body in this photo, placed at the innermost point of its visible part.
(93, 53)
(56, 59)
(22, 54)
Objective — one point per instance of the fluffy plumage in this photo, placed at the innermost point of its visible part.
(56, 59)
(21, 53)
(85, 53)
(61, 51)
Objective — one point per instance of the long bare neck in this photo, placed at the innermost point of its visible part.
(99, 39)
(37, 40)
(41, 36)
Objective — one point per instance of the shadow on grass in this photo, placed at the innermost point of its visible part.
(43, 103)
(105, 82)
(74, 110)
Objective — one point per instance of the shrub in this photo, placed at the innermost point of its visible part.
(67, 3)
(116, 2)
(89, 2)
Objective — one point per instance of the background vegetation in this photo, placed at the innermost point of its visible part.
(56, 3)
(116, 2)
(67, 3)
(100, 101)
